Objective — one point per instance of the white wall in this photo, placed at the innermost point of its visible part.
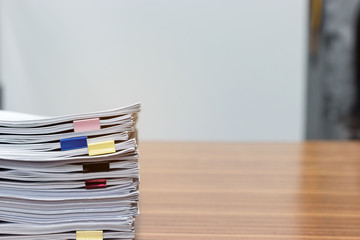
(203, 70)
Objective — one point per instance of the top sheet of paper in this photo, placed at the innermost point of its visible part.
(12, 119)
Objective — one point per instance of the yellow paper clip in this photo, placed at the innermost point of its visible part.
(89, 235)
(101, 148)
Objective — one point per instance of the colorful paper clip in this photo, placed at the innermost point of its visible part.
(95, 183)
(101, 148)
(73, 143)
(96, 167)
(89, 235)
(86, 125)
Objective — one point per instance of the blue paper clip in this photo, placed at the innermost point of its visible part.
(73, 143)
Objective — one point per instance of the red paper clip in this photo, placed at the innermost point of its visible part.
(95, 183)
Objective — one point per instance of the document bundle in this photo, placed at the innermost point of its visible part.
(69, 177)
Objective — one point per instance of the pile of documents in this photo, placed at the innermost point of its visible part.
(69, 177)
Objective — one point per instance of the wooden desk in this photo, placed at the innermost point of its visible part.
(231, 191)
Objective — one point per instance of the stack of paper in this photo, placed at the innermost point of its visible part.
(70, 177)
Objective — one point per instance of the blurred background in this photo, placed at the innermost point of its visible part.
(214, 70)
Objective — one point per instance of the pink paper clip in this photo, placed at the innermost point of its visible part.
(95, 183)
(86, 125)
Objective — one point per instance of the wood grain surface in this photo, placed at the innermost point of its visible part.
(249, 191)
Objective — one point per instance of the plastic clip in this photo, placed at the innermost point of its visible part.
(101, 148)
(73, 143)
(95, 183)
(96, 167)
(86, 125)
(89, 235)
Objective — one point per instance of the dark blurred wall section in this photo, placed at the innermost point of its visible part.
(332, 93)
